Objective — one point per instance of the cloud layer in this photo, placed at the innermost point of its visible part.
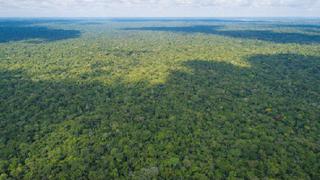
(79, 3)
(63, 6)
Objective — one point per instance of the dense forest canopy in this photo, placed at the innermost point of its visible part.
(159, 99)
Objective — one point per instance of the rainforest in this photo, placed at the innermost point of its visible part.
(159, 98)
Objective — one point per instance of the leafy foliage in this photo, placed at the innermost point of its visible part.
(119, 104)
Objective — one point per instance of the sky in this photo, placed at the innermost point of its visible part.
(159, 8)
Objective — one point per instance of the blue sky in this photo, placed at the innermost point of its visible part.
(159, 8)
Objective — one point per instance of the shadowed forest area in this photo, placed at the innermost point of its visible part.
(133, 105)
(19, 33)
(264, 35)
(26, 33)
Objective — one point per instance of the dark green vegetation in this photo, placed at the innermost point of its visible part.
(119, 99)
(17, 31)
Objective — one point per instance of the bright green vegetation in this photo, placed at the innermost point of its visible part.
(112, 99)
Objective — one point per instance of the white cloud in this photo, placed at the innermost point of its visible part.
(88, 3)
(252, 3)
(13, 6)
